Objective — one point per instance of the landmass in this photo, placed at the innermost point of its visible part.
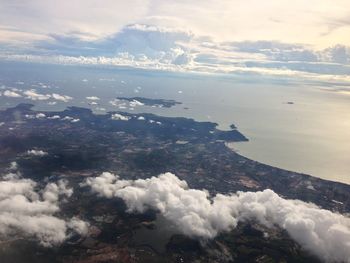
(81, 144)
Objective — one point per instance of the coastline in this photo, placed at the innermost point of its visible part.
(195, 151)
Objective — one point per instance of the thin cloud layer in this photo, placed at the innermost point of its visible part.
(307, 22)
(169, 49)
(214, 37)
(196, 214)
(26, 211)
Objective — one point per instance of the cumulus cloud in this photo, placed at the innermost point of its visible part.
(40, 116)
(119, 117)
(34, 152)
(135, 103)
(93, 98)
(11, 94)
(54, 117)
(151, 41)
(36, 116)
(53, 191)
(123, 104)
(71, 119)
(34, 95)
(196, 214)
(138, 44)
(59, 97)
(28, 212)
(136, 41)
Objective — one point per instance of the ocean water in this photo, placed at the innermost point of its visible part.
(294, 126)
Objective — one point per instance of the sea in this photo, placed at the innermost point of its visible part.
(296, 125)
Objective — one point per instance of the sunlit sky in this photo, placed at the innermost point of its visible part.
(321, 23)
(284, 37)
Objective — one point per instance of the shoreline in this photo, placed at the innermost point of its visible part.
(150, 146)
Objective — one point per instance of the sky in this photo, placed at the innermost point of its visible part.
(307, 39)
(301, 39)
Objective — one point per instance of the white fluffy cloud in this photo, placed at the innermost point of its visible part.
(119, 117)
(34, 152)
(196, 214)
(11, 94)
(28, 212)
(54, 117)
(59, 97)
(71, 119)
(93, 98)
(122, 104)
(135, 103)
(33, 94)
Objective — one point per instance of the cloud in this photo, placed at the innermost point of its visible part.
(150, 41)
(53, 191)
(93, 98)
(34, 95)
(39, 153)
(59, 97)
(196, 214)
(11, 94)
(277, 51)
(40, 116)
(135, 103)
(338, 54)
(29, 212)
(71, 119)
(22, 23)
(180, 50)
(169, 49)
(134, 42)
(53, 117)
(119, 117)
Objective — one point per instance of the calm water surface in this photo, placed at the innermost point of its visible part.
(312, 135)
